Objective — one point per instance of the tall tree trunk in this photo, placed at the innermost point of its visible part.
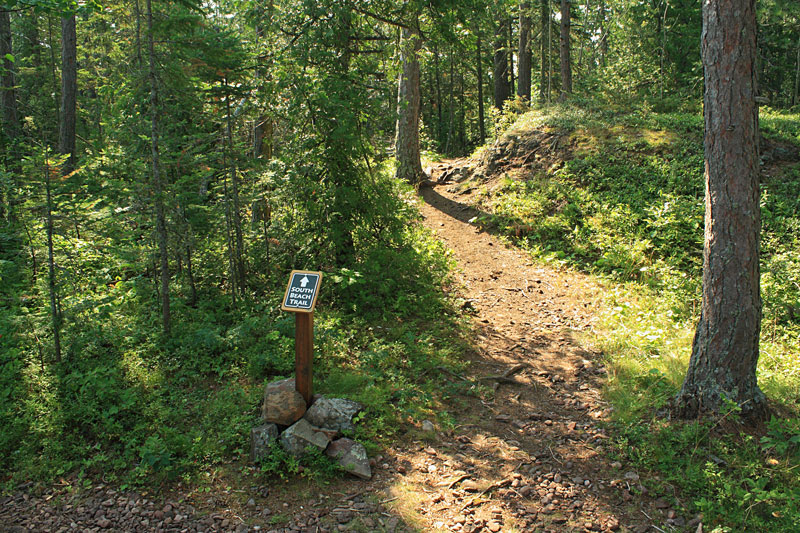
(69, 90)
(55, 310)
(138, 49)
(502, 89)
(237, 217)
(263, 129)
(603, 34)
(439, 131)
(448, 147)
(722, 367)
(544, 82)
(511, 46)
(796, 91)
(8, 115)
(409, 166)
(8, 96)
(157, 182)
(479, 70)
(566, 61)
(524, 55)
(53, 73)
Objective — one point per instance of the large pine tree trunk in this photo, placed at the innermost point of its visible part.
(69, 90)
(502, 86)
(524, 55)
(566, 61)
(409, 166)
(725, 348)
(157, 181)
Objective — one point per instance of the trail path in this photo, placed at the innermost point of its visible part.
(529, 456)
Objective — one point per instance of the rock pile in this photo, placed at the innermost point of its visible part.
(320, 426)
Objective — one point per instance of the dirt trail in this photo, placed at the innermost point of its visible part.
(529, 456)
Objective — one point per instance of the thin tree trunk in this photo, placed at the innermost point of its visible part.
(603, 34)
(796, 92)
(502, 89)
(8, 96)
(157, 183)
(138, 15)
(566, 61)
(55, 311)
(524, 55)
(511, 47)
(439, 131)
(54, 76)
(549, 58)
(190, 274)
(8, 117)
(663, 25)
(479, 70)
(722, 367)
(237, 218)
(544, 83)
(448, 147)
(462, 118)
(69, 91)
(407, 152)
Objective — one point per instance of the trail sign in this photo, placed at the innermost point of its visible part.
(300, 298)
(301, 293)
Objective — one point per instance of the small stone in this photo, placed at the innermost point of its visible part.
(427, 425)
(494, 526)
(632, 476)
(104, 523)
(616, 464)
(251, 502)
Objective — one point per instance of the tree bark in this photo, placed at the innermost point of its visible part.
(545, 15)
(603, 34)
(157, 182)
(722, 367)
(566, 61)
(479, 70)
(55, 310)
(511, 47)
(524, 55)
(502, 87)
(237, 217)
(409, 166)
(8, 95)
(796, 76)
(69, 91)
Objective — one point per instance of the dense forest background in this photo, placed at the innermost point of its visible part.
(165, 164)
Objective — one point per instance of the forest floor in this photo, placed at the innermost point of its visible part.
(533, 457)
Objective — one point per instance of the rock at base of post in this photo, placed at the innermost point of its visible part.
(260, 439)
(351, 456)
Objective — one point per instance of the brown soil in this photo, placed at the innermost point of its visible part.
(528, 451)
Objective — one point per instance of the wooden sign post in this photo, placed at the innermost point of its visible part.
(300, 299)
